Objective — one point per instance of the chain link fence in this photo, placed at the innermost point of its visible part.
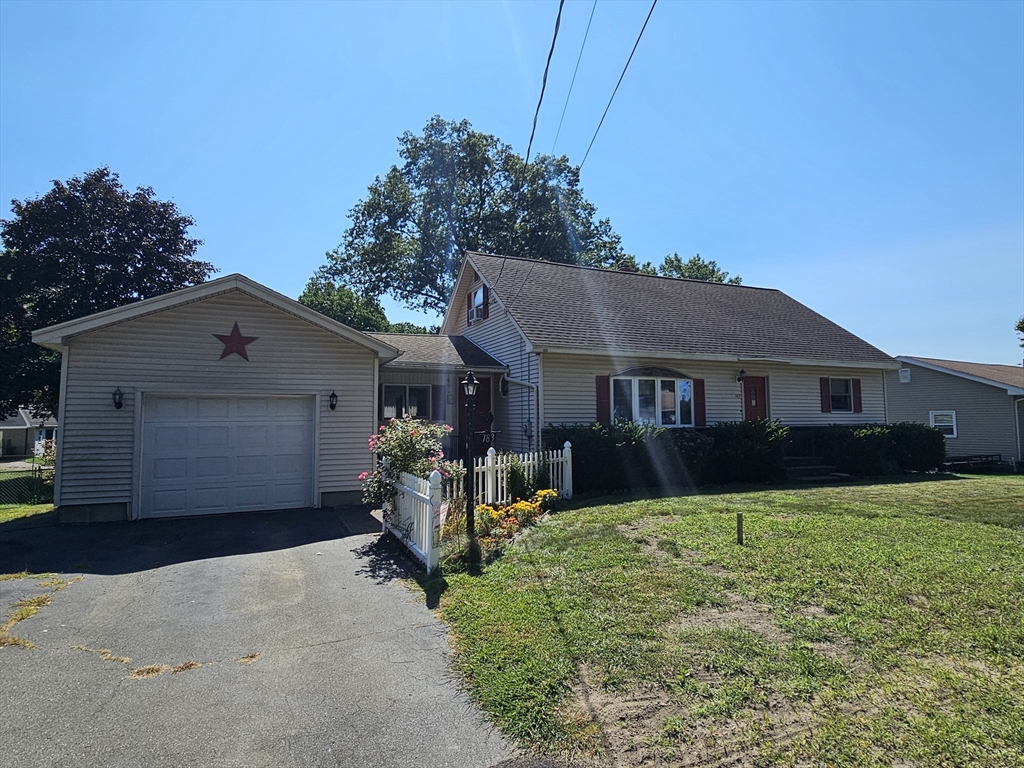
(26, 486)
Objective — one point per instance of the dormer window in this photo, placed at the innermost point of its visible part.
(477, 305)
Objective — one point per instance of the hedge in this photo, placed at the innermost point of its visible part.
(881, 449)
(625, 456)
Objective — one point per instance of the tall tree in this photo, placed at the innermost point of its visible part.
(456, 190)
(364, 313)
(696, 268)
(85, 246)
(1020, 330)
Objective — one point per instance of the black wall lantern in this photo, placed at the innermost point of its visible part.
(741, 375)
(118, 398)
(332, 400)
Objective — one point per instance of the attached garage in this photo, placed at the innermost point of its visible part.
(205, 455)
(222, 397)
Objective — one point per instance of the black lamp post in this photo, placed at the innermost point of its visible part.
(469, 385)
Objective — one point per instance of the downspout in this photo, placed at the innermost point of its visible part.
(1016, 426)
(510, 380)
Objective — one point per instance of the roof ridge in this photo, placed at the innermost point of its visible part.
(964, 362)
(619, 271)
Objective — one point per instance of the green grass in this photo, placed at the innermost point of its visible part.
(860, 625)
(9, 512)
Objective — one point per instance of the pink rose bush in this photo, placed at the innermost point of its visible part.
(409, 445)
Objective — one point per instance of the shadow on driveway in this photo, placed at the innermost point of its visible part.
(43, 546)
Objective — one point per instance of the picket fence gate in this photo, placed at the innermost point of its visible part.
(417, 513)
(415, 516)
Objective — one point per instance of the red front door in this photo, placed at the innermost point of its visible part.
(755, 398)
(483, 407)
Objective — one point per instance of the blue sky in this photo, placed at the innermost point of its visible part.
(865, 158)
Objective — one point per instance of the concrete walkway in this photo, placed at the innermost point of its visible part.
(309, 651)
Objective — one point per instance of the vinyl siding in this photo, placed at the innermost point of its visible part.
(500, 338)
(793, 391)
(984, 413)
(174, 351)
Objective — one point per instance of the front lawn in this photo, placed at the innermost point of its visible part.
(870, 624)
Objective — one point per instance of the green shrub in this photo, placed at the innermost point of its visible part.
(626, 455)
(869, 450)
(520, 485)
(746, 451)
(917, 447)
(861, 451)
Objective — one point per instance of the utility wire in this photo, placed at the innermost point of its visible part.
(620, 81)
(544, 81)
(571, 84)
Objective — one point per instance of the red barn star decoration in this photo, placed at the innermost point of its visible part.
(234, 343)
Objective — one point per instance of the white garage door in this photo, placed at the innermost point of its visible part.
(204, 455)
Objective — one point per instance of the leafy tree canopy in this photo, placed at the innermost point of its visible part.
(456, 190)
(696, 269)
(85, 246)
(364, 313)
(1020, 330)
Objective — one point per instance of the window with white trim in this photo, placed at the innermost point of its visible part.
(648, 400)
(841, 392)
(476, 304)
(400, 400)
(944, 421)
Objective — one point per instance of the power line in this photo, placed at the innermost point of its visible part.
(571, 84)
(544, 81)
(620, 81)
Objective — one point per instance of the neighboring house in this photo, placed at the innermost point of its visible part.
(585, 345)
(23, 434)
(227, 396)
(978, 407)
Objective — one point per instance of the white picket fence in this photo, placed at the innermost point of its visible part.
(415, 517)
(490, 472)
(417, 513)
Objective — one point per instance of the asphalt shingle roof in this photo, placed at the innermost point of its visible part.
(428, 350)
(1011, 375)
(561, 305)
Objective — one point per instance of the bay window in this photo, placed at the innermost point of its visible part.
(650, 400)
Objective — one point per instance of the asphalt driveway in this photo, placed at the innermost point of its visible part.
(308, 650)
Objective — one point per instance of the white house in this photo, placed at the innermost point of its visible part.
(227, 396)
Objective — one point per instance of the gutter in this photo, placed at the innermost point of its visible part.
(669, 355)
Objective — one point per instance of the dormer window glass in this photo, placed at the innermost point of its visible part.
(477, 306)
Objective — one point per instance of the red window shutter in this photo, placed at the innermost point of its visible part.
(438, 401)
(700, 409)
(487, 303)
(380, 404)
(826, 395)
(604, 400)
(858, 406)
(469, 309)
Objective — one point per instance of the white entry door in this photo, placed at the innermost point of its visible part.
(205, 455)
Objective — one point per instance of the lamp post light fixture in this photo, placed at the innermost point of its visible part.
(741, 376)
(118, 396)
(469, 386)
(332, 400)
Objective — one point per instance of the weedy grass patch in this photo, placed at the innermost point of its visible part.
(9, 512)
(858, 625)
